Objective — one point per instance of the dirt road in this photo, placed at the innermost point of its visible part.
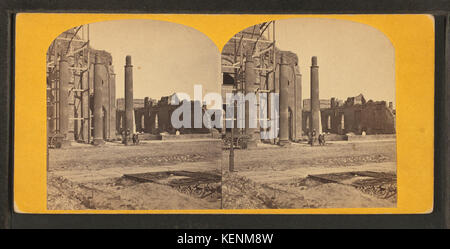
(269, 177)
(87, 177)
(274, 177)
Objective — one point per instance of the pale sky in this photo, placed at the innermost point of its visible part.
(353, 58)
(166, 57)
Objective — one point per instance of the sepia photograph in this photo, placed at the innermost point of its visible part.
(324, 135)
(112, 89)
(290, 114)
(160, 118)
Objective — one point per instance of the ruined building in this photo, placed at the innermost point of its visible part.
(355, 115)
(154, 117)
(251, 62)
(80, 90)
(81, 96)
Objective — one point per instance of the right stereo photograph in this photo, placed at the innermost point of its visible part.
(309, 116)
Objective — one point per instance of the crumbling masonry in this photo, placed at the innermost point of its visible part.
(80, 90)
(272, 71)
(251, 62)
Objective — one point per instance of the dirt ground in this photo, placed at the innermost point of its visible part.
(274, 177)
(87, 177)
(363, 174)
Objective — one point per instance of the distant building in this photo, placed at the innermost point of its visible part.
(355, 115)
(153, 116)
(324, 104)
(137, 103)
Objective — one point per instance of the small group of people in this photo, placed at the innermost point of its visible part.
(322, 139)
(125, 137)
(312, 138)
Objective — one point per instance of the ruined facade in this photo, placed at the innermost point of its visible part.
(252, 63)
(355, 115)
(154, 116)
(80, 90)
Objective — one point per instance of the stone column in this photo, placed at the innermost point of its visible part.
(64, 79)
(106, 99)
(98, 102)
(250, 78)
(85, 106)
(129, 109)
(284, 102)
(112, 107)
(315, 101)
(147, 120)
(298, 107)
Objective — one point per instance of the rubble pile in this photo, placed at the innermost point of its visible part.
(63, 194)
(137, 160)
(209, 191)
(158, 160)
(239, 192)
(352, 160)
(386, 191)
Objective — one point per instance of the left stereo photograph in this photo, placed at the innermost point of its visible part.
(127, 126)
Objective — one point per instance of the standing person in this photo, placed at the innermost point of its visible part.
(126, 133)
(124, 137)
(135, 139)
(322, 139)
(313, 137)
(308, 133)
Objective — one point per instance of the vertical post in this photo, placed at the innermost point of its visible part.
(85, 106)
(284, 101)
(250, 78)
(112, 106)
(89, 123)
(51, 105)
(147, 126)
(129, 110)
(98, 103)
(274, 68)
(64, 78)
(50, 128)
(231, 158)
(76, 100)
(106, 99)
(315, 102)
(274, 55)
(298, 106)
